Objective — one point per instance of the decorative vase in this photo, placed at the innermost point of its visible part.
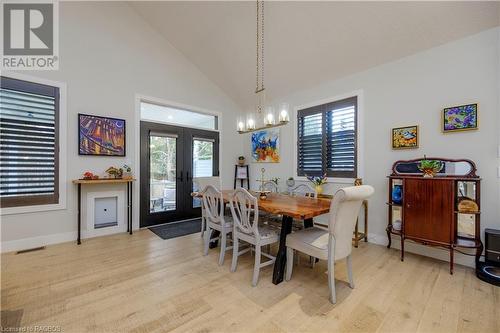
(429, 173)
(397, 194)
(241, 161)
(318, 189)
(290, 182)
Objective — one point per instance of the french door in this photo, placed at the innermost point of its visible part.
(171, 157)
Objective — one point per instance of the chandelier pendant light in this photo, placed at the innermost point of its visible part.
(264, 115)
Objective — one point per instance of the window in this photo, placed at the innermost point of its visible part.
(165, 114)
(327, 139)
(29, 149)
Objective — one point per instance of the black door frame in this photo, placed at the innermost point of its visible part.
(184, 183)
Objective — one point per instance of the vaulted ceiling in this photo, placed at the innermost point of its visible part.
(308, 42)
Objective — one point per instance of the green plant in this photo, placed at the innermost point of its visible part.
(275, 180)
(241, 158)
(430, 167)
(290, 178)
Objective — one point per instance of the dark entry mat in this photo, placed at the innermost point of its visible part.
(177, 229)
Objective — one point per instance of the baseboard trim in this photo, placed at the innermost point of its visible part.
(28, 243)
(423, 250)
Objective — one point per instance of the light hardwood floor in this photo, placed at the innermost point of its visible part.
(141, 283)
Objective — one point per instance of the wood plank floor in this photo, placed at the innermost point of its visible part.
(142, 283)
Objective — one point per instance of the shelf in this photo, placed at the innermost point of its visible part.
(467, 243)
(393, 231)
(394, 204)
(468, 213)
(103, 181)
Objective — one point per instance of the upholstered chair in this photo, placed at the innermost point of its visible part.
(336, 242)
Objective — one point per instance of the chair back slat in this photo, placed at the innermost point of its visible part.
(305, 190)
(245, 211)
(344, 212)
(269, 186)
(213, 203)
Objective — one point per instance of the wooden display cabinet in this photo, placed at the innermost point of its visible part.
(428, 210)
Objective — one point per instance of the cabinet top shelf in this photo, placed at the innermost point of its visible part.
(103, 181)
(433, 178)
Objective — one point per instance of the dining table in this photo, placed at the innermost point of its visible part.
(289, 208)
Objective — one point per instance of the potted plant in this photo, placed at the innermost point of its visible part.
(318, 182)
(114, 172)
(430, 167)
(127, 171)
(241, 160)
(290, 182)
(275, 180)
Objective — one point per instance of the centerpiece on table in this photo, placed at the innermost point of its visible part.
(430, 167)
(318, 182)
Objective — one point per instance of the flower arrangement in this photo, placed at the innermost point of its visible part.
(317, 182)
(275, 180)
(430, 167)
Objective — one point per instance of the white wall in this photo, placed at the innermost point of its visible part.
(410, 91)
(108, 54)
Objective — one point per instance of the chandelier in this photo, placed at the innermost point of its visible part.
(264, 116)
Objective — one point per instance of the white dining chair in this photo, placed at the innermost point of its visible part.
(269, 186)
(336, 242)
(246, 228)
(215, 220)
(200, 183)
(305, 190)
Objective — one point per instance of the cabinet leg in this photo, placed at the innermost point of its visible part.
(389, 238)
(402, 248)
(451, 260)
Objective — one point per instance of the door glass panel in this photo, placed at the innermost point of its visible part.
(162, 173)
(203, 163)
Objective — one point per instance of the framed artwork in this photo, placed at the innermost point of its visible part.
(405, 137)
(460, 118)
(265, 146)
(242, 172)
(101, 136)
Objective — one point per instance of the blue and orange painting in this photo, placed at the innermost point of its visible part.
(101, 136)
(265, 146)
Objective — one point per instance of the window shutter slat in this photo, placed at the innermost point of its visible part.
(327, 136)
(28, 139)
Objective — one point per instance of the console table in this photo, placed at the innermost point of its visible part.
(80, 182)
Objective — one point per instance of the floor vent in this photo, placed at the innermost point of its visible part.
(31, 250)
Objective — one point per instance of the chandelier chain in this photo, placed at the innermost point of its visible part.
(260, 46)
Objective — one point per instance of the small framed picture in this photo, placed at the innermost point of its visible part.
(241, 172)
(405, 137)
(460, 118)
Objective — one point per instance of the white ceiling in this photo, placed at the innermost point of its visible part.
(308, 42)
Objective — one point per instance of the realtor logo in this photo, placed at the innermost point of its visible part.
(30, 32)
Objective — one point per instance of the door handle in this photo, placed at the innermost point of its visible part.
(181, 178)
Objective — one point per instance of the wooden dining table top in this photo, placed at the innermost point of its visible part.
(298, 207)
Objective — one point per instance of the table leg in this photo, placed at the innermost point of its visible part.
(128, 207)
(215, 243)
(130, 204)
(308, 223)
(279, 265)
(78, 241)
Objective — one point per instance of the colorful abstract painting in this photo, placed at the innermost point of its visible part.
(265, 146)
(405, 137)
(460, 118)
(101, 136)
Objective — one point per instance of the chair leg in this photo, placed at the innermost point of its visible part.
(349, 271)
(289, 263)
(207, 239)
(256, 265)
(223, 241)
(235, 254)
(331, 279)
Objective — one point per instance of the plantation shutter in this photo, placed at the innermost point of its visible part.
(28, 143)
(310, 142)
(327, 139)
(341, 141)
